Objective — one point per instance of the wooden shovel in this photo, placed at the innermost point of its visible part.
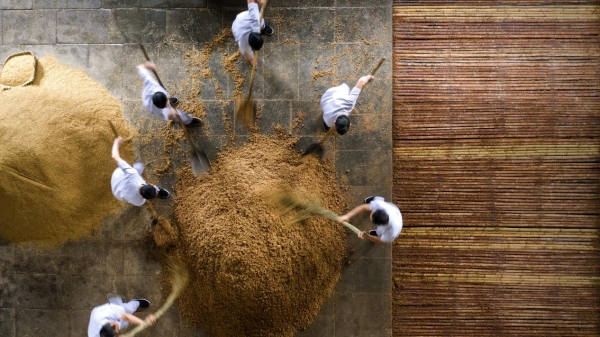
(317, 148)
(246, 108)
(198, 158)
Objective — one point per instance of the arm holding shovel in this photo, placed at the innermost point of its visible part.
(363, 234)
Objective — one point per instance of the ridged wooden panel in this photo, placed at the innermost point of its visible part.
(497, 168)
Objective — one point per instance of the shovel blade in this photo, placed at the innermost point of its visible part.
(246, 112)
(200, 163)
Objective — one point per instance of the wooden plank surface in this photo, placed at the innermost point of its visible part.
(497, 168)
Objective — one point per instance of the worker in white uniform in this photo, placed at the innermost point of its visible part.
(157, 101)
(338, 102)
(384, 214)
(127, 182)
(247, 32)
(109, 319)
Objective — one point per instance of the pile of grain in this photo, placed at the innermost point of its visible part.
(18, 70)
(55, 163)
(253, 274)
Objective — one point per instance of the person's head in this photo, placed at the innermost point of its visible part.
(342, 124)
(148, 191)
(380, 217)
(109, 330)
(159, 99)
(255, 41)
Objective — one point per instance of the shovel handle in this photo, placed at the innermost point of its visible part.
(148, 59)
(377, 66)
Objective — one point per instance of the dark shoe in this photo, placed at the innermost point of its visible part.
(153, 223)
(369, 199)
(268, 31)
(144, 303)
(373, 232)
(174, 101)
(163, 194)
(196, 122)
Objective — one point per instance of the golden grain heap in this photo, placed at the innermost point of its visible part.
(254, 274)
(55, 164)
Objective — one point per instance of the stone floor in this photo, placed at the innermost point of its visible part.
(50, 291)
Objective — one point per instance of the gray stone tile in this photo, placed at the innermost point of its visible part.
(188, 3)
(368, 132)
(153, 3)
(85, 26)
(31, 259)
(7, 322)
(357, 59)
(366, 275)
(73, 55)
(386, 332)
(16, 4)
(361, 248)
(171, 68)
(143, 287)
(83, 292)
(132, 57)
(36, 26)
(84, 3)
(280, 71)
(363, 24)
(106, 68)
(42, 322)
(7, 258)
(193, 25)
(227, 4)
(56, 4)
(119, 3)
(78, 322)
(357, 194)
(316, 3)
(364, 168)
(376, 98)
(219, 118)
(38, 291)
(273, 116)
(283, 3)
(8, 290)
(322, 326)
(294, 27)
(359, 3)
(307, 119)
(316, 70)
(139, 261)
(358, 312)
(140, 25)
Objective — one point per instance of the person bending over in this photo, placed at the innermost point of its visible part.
(127, 182)
(384, 214)
(158, 102)
(247, 32)
(338, 102)
(109, 319)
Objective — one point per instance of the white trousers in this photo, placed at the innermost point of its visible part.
(130, 307)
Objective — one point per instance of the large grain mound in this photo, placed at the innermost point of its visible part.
(254, 274)
(55, 163)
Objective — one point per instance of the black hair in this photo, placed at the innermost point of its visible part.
(148, 192)
(159, 99)
(108, 331)
(342, 124)
(380, 217)
(255, 40)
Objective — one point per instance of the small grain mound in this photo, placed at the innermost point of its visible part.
(18, 70)
(254, 274)
(55, 164)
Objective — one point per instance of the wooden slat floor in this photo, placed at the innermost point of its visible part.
(497, 168)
